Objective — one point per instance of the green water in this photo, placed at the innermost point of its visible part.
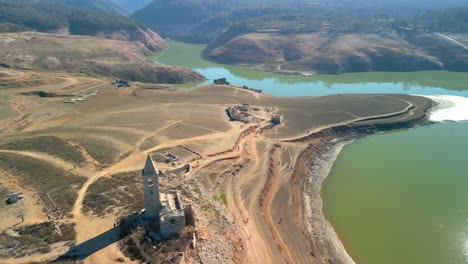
(399, 198)
(438, 82)
(403, 197)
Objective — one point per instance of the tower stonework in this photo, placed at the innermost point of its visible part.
(165, 212)
(151, 189)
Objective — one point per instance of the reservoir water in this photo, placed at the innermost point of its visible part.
(400, 197)
(437, 82)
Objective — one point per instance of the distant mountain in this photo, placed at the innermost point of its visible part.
(200, 21)
(106, 6)
(334, 41)
(132, 5)
(77, 21)
(173, 17)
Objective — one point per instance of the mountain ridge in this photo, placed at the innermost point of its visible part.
(132, 5)
(55, 18)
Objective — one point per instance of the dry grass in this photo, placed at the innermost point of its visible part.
(93, 130)
(99, 149)
(55, 186)
(210, 177)
(122, 192)
(20, 246)
(47, 232)
(149, 143)
(49, 145)
(34, 239)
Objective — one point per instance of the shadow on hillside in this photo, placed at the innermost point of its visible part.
(93, 245)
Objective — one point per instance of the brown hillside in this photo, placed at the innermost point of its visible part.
(320, 53)
(90, 55)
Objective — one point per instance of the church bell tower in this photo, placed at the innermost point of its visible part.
(151, 189)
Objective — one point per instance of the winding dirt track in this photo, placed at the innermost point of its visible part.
(88, 227)
(251, 190)
(452, 40)
(252, 180)
(258, 188)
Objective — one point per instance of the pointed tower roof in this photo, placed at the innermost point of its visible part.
(149, 168)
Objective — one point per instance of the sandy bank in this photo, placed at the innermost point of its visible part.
(323, 149)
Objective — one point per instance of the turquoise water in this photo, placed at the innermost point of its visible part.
(399, 198)
(438, 82)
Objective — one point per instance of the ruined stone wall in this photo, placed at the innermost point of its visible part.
(182, 170)
(172, 222)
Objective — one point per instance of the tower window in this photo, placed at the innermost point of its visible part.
(172, 221)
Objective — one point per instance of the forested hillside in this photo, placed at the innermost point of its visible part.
(453, 20)
(132, 5)
(76, 21)
(106, 6)
(201, 21)
(177, 18)
(10, 27)
(334, 39)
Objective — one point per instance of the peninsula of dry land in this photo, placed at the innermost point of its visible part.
(254, 187)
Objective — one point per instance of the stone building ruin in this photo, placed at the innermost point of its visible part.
(172, 215)
(277, 119)
(165, 211)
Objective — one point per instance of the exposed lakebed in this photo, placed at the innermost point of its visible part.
(395, 198)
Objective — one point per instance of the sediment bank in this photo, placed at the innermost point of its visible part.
(313, 167)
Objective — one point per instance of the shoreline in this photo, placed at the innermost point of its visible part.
(324, 166)
(277, 69)
(324, 148)
(263, 173)
(440, 110)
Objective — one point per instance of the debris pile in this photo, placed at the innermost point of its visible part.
(241, 113)
(82, 97)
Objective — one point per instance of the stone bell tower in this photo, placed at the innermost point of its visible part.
(151, 189)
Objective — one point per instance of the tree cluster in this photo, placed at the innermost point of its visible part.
(54, 17)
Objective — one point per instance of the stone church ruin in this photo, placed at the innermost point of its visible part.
(164, 211)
